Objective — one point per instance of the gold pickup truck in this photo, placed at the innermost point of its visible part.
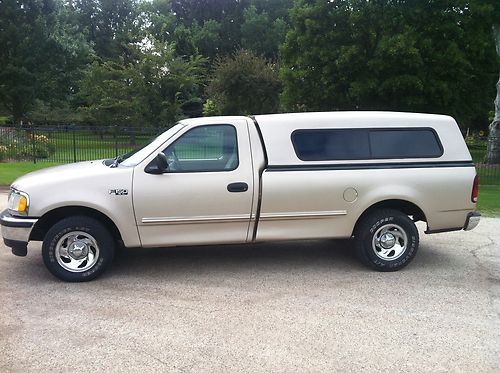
(220, 180)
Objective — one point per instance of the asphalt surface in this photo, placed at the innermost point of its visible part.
(307, 306)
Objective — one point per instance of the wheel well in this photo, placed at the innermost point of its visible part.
(45, 222)
(405, 207)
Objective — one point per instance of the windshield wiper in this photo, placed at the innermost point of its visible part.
(116, 161)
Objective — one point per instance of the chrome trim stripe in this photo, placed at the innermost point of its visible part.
(197, 219)
(239, 218)
(455, 210)
(301, 215)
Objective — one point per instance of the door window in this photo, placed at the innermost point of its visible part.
(204, 149)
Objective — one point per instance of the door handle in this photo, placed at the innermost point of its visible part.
(237, 187)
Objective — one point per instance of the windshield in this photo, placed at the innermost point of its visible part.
(136, 156)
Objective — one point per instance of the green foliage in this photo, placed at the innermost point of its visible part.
(260, 33)
(3, 120)
(227, 13)
(87, 61)
(153, 90)
(41, 53)
(245, 83)
(210, 108)
(136, 62)
(25, 144)
(435, 56)
(107, 93)
(110, 26)
(208, 37)
(59, 112)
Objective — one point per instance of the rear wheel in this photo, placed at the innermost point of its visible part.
(386, 240)
(78, 249)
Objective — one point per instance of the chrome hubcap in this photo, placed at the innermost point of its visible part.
(389, 242)
(77, 251)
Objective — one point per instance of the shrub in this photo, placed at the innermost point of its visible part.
(20, 144)
(245, 83)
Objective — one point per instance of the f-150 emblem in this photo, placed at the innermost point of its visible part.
(118, 192)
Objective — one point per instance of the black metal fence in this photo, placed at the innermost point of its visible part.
(489, 174)
(66, 144)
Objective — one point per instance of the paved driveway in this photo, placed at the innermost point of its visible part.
(284, 307)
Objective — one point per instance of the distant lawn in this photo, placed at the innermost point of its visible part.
(489, 200)
(12, 170)
(488, 205)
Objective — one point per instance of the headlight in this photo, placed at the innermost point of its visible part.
(18, 202)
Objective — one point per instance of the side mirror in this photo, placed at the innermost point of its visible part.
(162, 162)
(159, 165)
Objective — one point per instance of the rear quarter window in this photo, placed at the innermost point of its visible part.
(365, 143)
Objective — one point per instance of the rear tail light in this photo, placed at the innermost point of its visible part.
(475, 190)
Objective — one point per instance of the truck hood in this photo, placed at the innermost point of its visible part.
(60, 174)
(79, 184)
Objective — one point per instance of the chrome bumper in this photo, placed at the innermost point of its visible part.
(16, 231)
(472, 220)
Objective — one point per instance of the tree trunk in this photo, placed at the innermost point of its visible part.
(493, 152)
(17, 111)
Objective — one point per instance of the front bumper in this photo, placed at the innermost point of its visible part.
(472, 220)
(16, 231)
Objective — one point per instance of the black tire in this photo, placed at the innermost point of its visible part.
(369, 248)
(90, 231)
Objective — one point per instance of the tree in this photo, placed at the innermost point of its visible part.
(219, 27)
(244, 83)
(260, 33)
(158, 19)
(404, 55)
(493, 151)
(208, 38)
(110, 25)
(197, 37)
(41, 56)
(157, 89)
(108, 94)
(228, 14)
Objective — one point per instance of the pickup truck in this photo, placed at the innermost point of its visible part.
(219, 180)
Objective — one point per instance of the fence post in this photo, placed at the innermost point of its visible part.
(33, 146)
(74, 144)
(116, 142)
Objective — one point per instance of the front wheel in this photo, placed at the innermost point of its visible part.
(386, 240)
(78, 249)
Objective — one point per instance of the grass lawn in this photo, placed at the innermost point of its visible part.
(12, 170)
(488, 205)
(489, 200)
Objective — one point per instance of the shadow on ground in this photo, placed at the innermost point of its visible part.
(172, 263)
(233, 258)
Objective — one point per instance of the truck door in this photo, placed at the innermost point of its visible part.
(206, 194)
